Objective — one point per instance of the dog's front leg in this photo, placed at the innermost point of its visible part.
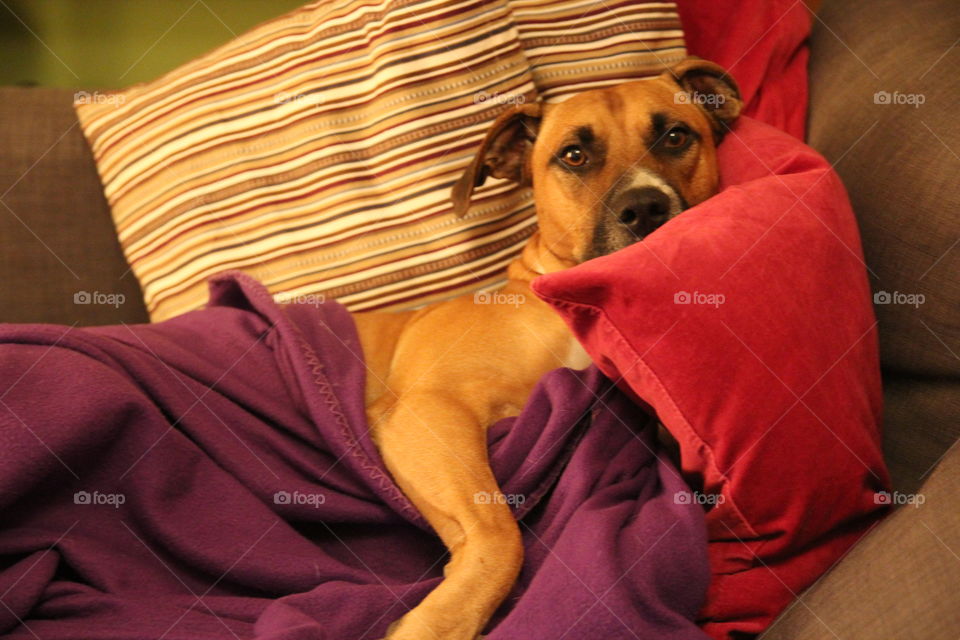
(435, 446)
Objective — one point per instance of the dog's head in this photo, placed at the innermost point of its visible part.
(608, 166)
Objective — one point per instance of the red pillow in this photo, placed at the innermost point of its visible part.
(746, 324)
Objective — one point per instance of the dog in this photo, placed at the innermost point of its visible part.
(607, 167)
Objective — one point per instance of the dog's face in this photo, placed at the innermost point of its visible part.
(609, 166)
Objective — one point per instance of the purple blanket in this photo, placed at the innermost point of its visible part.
(211, 477)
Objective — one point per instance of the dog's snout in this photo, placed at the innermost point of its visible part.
(642, 210)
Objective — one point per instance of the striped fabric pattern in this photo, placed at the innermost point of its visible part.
(316, 152)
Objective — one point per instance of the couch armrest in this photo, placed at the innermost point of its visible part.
(58, 240)
(900, 581)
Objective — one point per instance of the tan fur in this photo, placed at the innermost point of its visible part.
(441, 375)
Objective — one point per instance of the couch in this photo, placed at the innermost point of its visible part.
(883, 83)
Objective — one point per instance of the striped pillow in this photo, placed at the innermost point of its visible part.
(316, 151)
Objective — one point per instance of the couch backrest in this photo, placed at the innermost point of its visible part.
(883, 94)
(59, 256)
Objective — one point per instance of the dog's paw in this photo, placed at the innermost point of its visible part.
(394, 632)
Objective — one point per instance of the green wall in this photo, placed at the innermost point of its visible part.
(107, 44)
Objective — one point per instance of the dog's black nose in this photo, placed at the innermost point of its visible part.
(642, 210)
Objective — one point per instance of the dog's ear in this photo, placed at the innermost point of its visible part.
(504, 153)
(712, 89)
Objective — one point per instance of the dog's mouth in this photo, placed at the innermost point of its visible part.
(633, 210)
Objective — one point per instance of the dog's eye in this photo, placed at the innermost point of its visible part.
(675, 138)
(573, 156)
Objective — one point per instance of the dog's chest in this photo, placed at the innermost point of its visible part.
(575, 357)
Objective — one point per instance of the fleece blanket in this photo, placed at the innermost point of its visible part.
(211, 477)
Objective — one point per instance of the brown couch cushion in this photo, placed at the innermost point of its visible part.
(58, 241)
(900, 160)
(899, 582)
(920, 418)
